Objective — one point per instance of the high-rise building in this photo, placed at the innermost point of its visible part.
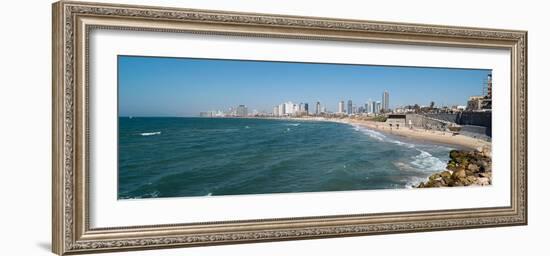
(306, 109)
(276, 111)
(487, 103)
(475, 103)
(386, 101)
(341, 108)
(490, 85)
(282, 111)
(350, 107)
(377, 107)
(368, 107)
(241, 111)
(289, 108)
(318, 108)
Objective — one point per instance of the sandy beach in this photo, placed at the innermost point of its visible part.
(414, 133)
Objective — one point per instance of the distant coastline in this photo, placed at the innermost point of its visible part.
(439, 137)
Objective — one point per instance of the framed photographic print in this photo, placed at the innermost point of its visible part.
(179, 127)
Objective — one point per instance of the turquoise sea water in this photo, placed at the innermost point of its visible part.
(178, 157)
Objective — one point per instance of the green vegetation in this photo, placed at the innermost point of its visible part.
(379, 118)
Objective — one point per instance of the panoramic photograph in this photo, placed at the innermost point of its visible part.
(191, 127)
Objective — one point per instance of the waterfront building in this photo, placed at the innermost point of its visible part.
(386, 101)
(396, 121)
(323, 109)
(368, 107)
(289, 108)
(276, 111)
(306, 108)
(318, 108)
(341, 108)
(241, 111)
(475, 103)
(489, 86)
(282, 109)
(487, 103)
(350, 107)
(376, 107)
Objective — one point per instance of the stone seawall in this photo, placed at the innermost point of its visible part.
(473, 123)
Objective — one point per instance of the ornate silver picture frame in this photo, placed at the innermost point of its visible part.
(72, 24)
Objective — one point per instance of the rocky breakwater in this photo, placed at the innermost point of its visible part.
(465, 168)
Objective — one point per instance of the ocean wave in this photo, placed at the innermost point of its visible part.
(371, 133)
(153, 194)
(149, 133)
(293, 124)
(413, 181)
(381, 137)
(428, 163)
(424, 163)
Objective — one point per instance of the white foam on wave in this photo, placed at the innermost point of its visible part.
(413, 181)
(209, 194)
(423, 162)
(371, 133)
(293, 124)
(381, 137)
(149, 133)
(153, 194)
(428, 163)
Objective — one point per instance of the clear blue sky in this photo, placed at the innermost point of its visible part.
(154, 86)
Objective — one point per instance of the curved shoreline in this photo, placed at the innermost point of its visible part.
(439, 137)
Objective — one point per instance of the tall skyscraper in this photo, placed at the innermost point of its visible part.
(282, 111)
(341, 108)
(489, 91)
(350, 107)
(377, 107)
(386, 101)
(368, 107)
(306, 108)
(276, 111)
(290, 108)
(241, 111)
(318, 108)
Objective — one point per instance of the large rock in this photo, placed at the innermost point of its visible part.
(459, 174)
(483, 181)
(464, 168)
(473, 167)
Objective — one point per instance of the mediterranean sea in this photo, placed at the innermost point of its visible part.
(181, 157)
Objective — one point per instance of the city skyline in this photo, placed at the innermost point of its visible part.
(153, 86)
